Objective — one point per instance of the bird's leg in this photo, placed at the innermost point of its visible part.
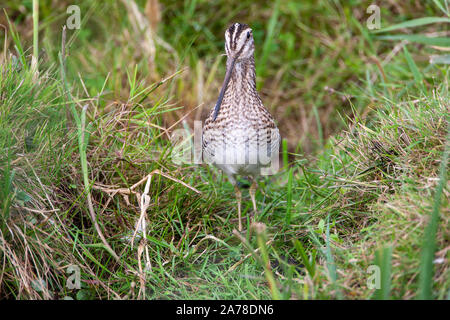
(238, 198)
(252, 192)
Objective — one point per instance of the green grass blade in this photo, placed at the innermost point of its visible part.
(415, 71)
(331, 265)
(383, 261)
(310, 266)
(18, 44)
(441, 7)
(35, 28)
(6, 192)
(289, 197)
(429, 244)
(418, 38)
(415, 23)
(82, 145)
(284, 150)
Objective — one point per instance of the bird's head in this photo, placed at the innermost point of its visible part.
(239, 47)
(239, 42)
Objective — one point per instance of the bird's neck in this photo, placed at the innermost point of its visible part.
(243, 79)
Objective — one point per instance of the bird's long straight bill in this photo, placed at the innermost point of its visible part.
(224, 88)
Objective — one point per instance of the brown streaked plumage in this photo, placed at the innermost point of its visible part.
(240, 136)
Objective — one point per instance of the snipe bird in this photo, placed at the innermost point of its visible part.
(240, 136)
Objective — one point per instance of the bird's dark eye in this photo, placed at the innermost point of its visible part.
(248, 35)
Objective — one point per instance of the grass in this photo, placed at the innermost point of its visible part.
(87, 163)
(429, 245)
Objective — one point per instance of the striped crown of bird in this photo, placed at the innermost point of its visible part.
(240, 136)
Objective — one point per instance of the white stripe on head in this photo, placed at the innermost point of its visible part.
(227, 42)
(236, 26)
